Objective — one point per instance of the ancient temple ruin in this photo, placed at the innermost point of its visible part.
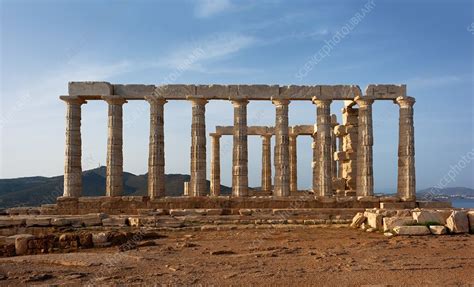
(342, 152)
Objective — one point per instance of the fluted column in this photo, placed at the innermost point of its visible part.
(73, 152)
(406, 187)
(197, 183)
(266, 163)
(282, 169)
(315, 163)
(365, 175)
(240, 153)
(215, 165)
(156, 152)
(333, 146)
(293, 163)
(114, 179)
(324, 144)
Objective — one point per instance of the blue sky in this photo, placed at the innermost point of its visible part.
(44, 44)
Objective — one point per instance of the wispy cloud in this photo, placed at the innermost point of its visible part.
(208, 8)
(210, 49)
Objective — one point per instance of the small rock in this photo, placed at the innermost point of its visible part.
(388, 234)
(222, 252)
(438, 229)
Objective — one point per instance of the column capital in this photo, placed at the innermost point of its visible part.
(197, 101)
(280, 102)
(114, 100)
(363, 101)
(266, 136)
(405, 102)
(215, 135)
(321, 102)
(239, 102)
(152, 99)
(73, 100)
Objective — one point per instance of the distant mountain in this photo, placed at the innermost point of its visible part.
(448, 192)
(37, 190)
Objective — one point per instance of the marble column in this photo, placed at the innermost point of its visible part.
(240, 153)
(365, 175)
(197, 183)
(266, 163)
(324, 143)
(215, 165)
(73, 152)
(156, 152)
(114, 179)
(293, 163)
(333, 146)
(406, 187)
(315, 163)
(339, 162)
(281, 154)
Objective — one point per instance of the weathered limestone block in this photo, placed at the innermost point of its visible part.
(412, 230)
(374, 220)
(427, 216)
(386, 91)
(470, 215)
(133, 90)
(389, 223)
(115, 221)
(38, 221)
(246, 212)
(60, 221)
(11, 221)
(99, 239)
(90, 88)
(358, 219)
(458, 222)
(21, 243)
(438, 229)
(92, 219)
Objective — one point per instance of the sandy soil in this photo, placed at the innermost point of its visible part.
(287, 256)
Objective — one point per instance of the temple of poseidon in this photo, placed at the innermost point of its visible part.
(342, 152)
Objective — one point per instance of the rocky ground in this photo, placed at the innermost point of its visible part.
(280, 256)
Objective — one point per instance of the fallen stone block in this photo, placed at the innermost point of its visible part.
(358, 219)
(412, 230)
(438, 229)
(458, 222)
(389, 223)
(428, 216)
(374, 220)
(98, 239)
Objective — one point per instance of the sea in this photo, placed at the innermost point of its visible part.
(462, 203)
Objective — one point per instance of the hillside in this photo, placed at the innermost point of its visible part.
(34, 191)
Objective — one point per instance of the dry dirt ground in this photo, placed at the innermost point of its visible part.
(285, 256)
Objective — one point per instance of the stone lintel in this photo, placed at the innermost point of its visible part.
(93, 91)
(386, 92)
(306, 130)
(90, 89)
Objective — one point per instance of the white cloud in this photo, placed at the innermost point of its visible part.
(207, 8)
